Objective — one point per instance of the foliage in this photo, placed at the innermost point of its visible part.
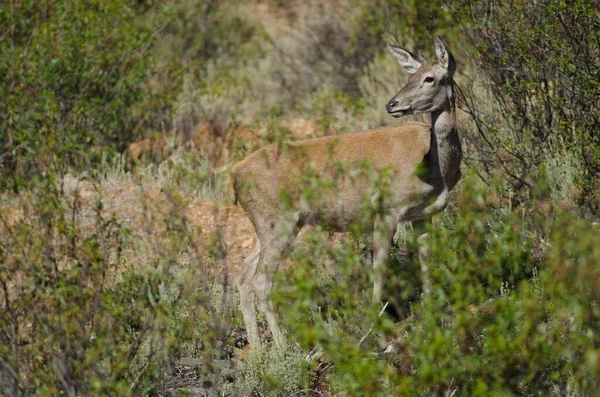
(499, 320)
(269, 372)
(544, 59)
(408, 23)
(71, 71)
(93, 307)
(105, 283)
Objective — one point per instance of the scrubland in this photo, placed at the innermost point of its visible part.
(120, 240)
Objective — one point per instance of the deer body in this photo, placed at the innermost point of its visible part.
(422, 162)
(271, 171)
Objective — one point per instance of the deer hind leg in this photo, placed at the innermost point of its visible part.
(424, 247)
(383, 235)
(247, 295)
(274, 242)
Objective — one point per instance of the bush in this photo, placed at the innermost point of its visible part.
(545, 105)
(72, 72)
(90, 306)
(269, 372)
(499, 319)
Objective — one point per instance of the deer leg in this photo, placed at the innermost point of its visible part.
(382, 241)
(424, 247)
(247, 295)
(276, 242)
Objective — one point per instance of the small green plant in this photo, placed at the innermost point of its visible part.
(269, 372)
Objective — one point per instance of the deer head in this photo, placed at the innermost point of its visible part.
(430, 86)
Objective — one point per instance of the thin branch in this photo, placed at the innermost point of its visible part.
(365, 336)
(303, 392)
(12, 235)
(141, 372)
(26, 49)
(12, 43)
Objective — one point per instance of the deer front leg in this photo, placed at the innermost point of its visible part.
(382, 241)
(424, 246)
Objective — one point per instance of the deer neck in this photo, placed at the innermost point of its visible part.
(446, 150)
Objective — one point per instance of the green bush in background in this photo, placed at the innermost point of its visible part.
(91, 307)
(71, 71)
(543, 60)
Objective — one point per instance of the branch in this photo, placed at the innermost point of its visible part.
(302, 392)
(362, 340)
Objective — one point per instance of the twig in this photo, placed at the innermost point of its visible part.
(141, 372)
(12, 44)
(312, 353)
(362, 340)
(26, 49)
(303, 392)
(12, 235)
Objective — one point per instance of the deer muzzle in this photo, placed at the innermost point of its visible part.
(396, 109)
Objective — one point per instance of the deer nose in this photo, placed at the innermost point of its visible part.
(390, 106)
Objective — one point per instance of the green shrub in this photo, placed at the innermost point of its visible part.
(505, 316)
(544, 105)
(92, 307)
(70, 74)
(271, 372)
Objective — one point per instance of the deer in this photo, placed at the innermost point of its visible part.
(424, 160)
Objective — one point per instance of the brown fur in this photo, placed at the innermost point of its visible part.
(262, 176)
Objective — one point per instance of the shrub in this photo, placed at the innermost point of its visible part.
(90, 306)
(545, 105)
(269, 372)
(72, 72)
(498, 321)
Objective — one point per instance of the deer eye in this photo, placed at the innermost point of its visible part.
(429, 79)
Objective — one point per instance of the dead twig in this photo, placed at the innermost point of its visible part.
(362, 340)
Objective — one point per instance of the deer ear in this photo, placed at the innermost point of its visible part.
(406, 59)
(444, 56)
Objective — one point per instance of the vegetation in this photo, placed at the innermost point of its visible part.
(546, 73)
(119, 239)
